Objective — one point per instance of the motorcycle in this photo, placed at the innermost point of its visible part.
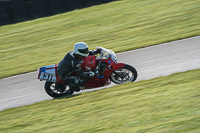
(104, 65)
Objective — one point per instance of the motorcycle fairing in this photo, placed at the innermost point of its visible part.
(89, 63)
(105, 80)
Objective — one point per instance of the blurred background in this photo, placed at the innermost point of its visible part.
(13, 11)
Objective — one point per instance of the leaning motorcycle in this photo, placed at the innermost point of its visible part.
(104, 65)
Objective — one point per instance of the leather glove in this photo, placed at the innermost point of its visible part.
(98, 51)
(91, 74)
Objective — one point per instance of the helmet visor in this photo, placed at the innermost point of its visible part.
(83, 51)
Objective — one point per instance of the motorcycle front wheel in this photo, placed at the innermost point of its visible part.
(56, 90)
(123, 75)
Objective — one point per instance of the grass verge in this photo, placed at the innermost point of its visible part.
(120, 26)
(164, 104)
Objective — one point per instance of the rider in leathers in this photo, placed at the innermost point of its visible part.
(72, 62)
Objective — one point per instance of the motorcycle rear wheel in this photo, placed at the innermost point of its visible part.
(123, 75)
(56, 90)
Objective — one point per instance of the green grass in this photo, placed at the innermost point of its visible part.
(120, 26)
(161, 105)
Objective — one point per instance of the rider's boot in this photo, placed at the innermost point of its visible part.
(74, 88)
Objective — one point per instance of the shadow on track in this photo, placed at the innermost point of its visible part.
(68, 96)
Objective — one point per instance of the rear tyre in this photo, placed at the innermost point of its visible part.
(57, 90)
(123, 75)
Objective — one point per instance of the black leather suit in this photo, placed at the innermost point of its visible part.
(70, 63)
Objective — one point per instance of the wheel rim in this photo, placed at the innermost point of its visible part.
(122, 75)
(59, 89)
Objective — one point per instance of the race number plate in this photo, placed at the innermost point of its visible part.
(47, 73)
(47, 76)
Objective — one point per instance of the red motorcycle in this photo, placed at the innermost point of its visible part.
(104, 65)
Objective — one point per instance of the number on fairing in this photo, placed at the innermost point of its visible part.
(48, 76)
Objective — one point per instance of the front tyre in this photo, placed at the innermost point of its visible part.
(123, 75)
(57, 90)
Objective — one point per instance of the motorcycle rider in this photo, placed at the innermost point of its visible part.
(72, 62)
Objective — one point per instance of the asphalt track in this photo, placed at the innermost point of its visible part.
(150, 62)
